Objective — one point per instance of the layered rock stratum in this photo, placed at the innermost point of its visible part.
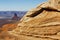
(40, 23)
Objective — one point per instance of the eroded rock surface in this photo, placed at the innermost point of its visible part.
(40, 23)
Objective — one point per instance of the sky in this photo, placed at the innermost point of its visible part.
(19, 5)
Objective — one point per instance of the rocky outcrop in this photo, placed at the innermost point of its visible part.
(40, 23)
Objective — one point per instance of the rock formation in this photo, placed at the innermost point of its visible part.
(40, 23)
(15, 17)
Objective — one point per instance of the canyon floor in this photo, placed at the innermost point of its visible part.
(5, 26)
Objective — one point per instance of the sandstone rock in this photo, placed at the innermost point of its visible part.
(40, 23)
(9, 27)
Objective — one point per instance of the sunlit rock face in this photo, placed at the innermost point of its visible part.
(40, 23)
(55, 3)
